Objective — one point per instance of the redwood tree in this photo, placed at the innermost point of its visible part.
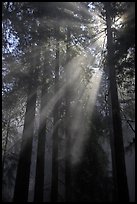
(118, 146)
(23, 169)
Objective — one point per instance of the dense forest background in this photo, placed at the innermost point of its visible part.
(68, 101)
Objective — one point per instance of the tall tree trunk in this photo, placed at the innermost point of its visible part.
(67, 128)
(111, 135)
(120, 168)
(39, 179)
(54, 184)
(23, 170)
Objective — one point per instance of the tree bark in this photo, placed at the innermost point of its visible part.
(23, 170)
(118, 146)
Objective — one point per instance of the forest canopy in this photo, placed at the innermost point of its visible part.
(68, 101)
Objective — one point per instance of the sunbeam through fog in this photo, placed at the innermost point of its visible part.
(64, 67)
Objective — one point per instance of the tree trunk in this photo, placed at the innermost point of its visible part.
(67, 128)
(39, 179)
(23, 170)
(54, 184)
(121, 178)
(111, 135)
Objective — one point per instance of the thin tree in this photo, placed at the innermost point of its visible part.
(67, 128)
(118, 146)
(39, 179)
(54, 182)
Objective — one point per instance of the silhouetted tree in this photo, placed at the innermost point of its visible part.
(120, 169)
(55, 136)
(23, 170)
